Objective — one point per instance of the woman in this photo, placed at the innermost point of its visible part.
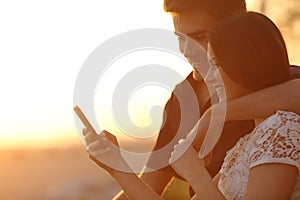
(248, 53)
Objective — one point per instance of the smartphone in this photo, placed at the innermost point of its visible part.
(88, 125)
(83, 119)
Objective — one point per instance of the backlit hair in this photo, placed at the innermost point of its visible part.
(250, 49)
(219, 9)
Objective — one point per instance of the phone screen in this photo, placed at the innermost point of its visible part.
(83, 118)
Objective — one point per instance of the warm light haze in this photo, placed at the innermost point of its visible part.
(43, 46)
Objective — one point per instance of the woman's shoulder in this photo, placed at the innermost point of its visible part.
(287, 115)
(281, 119)
(276, 140)
(282, 124)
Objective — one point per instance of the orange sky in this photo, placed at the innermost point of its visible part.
(43, 46)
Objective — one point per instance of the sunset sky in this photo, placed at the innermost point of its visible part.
(43, 45)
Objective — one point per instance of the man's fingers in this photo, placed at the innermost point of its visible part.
(93, 158)
(111, 138)
(91, 137)
(99, 147)
(84, 131)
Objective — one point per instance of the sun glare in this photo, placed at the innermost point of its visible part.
(43, 46)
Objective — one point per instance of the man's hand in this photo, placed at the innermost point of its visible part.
(104, 150)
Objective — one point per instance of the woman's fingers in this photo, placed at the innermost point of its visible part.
(179, 150)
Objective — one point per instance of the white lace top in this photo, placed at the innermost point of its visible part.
(276, 140)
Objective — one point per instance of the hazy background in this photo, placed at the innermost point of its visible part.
(42, 46)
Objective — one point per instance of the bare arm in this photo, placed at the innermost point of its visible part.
(157, 180)
(104, 151)
(265, 182)
(266, 102)
(131, 184)
(273, 181)
(134, 187)
(169, 134)
(193, 170)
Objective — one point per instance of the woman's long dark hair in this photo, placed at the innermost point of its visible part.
(251, 50)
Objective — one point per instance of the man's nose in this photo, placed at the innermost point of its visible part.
(209, 77)
(187, 47)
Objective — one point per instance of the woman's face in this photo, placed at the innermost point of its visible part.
(223, 85)
(214, 77)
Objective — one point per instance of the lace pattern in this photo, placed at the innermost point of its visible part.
(276, 140)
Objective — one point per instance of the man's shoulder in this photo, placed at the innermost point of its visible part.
(187, 96)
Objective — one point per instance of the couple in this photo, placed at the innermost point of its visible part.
(249, 54)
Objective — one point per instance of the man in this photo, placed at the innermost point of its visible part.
(196, 19)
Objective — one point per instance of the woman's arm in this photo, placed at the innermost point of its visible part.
(204, 186)
(263, 103)
(185, 161)
(274, 163)
(271, 181)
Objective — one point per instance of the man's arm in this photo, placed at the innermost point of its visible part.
(181, 114)
(263, 103)
(157, 180)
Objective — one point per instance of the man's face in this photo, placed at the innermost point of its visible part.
(193, 29)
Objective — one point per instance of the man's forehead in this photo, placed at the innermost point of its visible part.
(178, 23)
(188, 24)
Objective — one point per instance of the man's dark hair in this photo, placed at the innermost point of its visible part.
(217, 8)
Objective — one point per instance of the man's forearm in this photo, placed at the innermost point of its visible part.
(156, 180)
(134, 187)
(263, 103)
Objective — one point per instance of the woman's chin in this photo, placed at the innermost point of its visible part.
(221, 98)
